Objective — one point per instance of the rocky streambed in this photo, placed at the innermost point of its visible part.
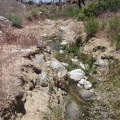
(64, 80)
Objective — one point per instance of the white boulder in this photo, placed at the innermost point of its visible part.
(63, 43)
(43, 79)
(4, 19)
(101, 63)
(76, 74)
(61, 52)
(39, 59)
(82, 65)
(84, 84)
(74, 60)
(55, 65)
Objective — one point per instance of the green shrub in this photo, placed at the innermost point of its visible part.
(15, 19)
(96, 8)
(114, 28)
(81, 16)
(30, 17)
(92, 26)
(90, 10)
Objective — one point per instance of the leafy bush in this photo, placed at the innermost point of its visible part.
(92, 26)
(96, 8)
(16, 20)
(114, 28)
(91, 10)
(81, 16)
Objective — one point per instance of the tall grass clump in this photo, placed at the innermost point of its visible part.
(15, 20)
(91, 26)
(88, 60)
(33, 14)
(114, 31)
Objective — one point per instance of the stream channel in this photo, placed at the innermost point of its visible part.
(76, 108)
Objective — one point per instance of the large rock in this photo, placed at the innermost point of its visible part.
(56, 65)
(86, 94)
(49, 22)
(84, 84)
(76, 74)
(39, 59)
(72, 111)
(47, 49)
(43, 79)
(74, 60)
(4, 19)
(61, 52)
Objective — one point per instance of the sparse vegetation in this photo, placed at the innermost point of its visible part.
(52, 17)
(114, 74)
(56, 115)
(88, 60)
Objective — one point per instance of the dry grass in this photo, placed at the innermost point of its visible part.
(12, 47)
(7, 6)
